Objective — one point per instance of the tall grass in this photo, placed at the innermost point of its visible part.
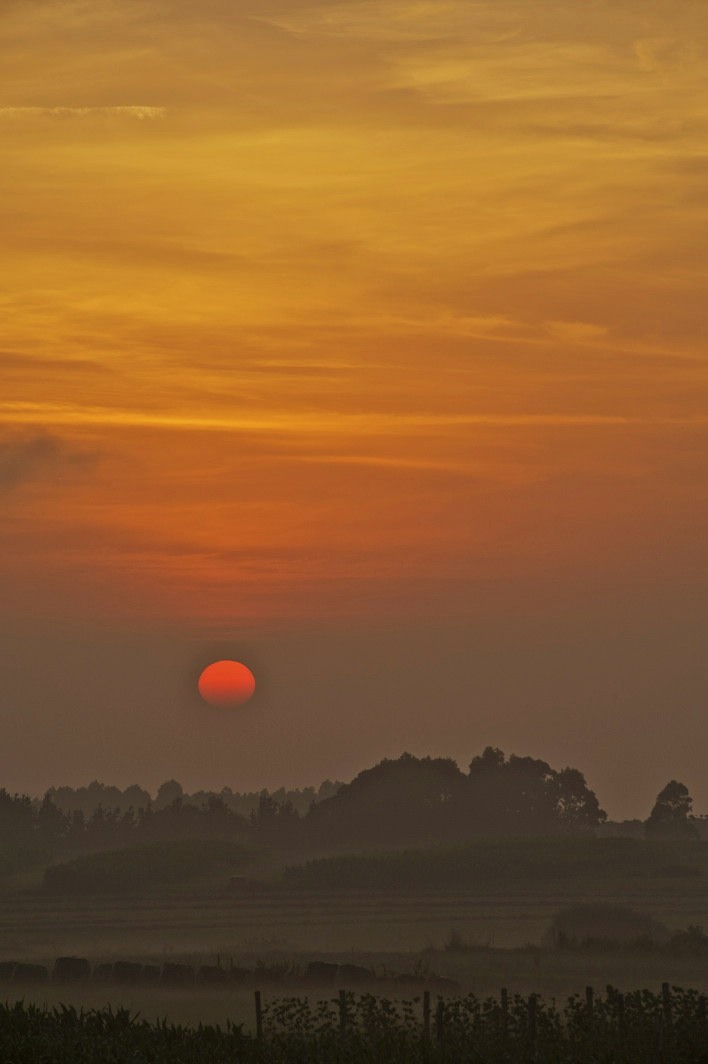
(365, 1029)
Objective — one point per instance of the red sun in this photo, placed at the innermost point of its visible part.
(226, 683)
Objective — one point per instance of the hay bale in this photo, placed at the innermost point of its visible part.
(30, 973)
(177, 975)
(103, 973)
(71, 969)
(321, 972)
(127, 973)
(354, 975)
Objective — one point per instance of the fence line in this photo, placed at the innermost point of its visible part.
(615, 1000)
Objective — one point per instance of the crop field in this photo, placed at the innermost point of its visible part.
(277, 935)
(490, 934)
(211, 920)
(616, 1028)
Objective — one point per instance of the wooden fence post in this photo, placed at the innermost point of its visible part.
(342, 1012)
(259, 1015)
(620, 1015)
(439, 1022)
(532, 1022)
(590, 1000)
(702, 1011)
(505, 1009)
(660, 1040)
(666, 1003)
(426, 1015)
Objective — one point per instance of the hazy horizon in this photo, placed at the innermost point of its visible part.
(126, 709)
(364, 343)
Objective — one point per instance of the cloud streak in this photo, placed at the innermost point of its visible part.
(311, 423)
(363, 259)
(40, 457)
(141, 112)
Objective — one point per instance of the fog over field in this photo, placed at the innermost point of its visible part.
(416, 874)
(353, 514)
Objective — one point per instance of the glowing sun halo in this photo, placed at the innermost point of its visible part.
(226, 683)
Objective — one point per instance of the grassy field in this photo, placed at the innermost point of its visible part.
(392, 934)
(37, 925)
(504, 914)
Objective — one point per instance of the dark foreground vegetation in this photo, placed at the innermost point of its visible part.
(614, 1028)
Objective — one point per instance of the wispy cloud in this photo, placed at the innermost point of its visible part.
(576, 332)
(27, 458)
(312, 423)
(360, 251)
(139, 111)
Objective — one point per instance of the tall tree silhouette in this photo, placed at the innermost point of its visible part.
(671, 815)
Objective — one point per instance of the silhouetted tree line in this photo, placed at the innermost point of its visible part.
(23, 822)
(411, 800)
(406, 801)
(273, 818)
(89, 798)
(672, 816)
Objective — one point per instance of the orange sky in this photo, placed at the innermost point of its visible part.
(352, 313)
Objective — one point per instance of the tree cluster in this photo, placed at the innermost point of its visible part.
(44, 825)
(87, 799)
(411, 800)
(408, 801)
(671, 817)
